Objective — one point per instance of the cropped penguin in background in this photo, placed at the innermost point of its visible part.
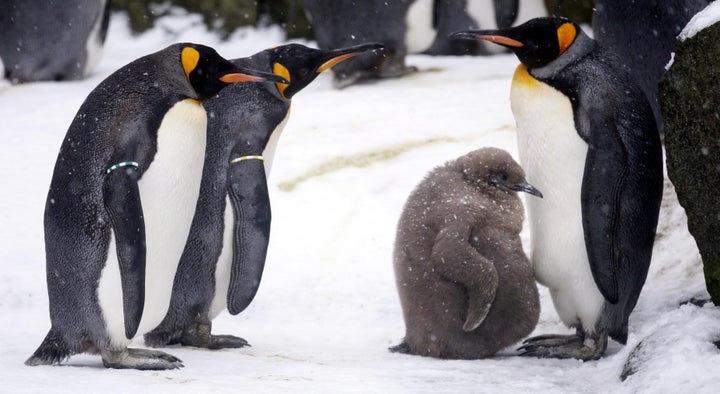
(587, 136)
(430, 23)
(346, 23)
(121, 200)
(223, 261)
(51, 41)
(643, 34)
(466, 287)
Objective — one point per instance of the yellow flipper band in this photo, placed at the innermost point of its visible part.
(249, 157)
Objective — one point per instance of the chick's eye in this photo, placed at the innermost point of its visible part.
(502, 176)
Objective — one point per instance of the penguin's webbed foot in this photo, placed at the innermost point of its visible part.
(198, 335)
(142, 359)
(215, 342)
(580, 346)
(402, 348)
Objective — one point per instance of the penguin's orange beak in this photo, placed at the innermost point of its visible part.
(494, 38)
(335, 60)
(238, 77)
(242, 74)
(339, 55)
(502, 41)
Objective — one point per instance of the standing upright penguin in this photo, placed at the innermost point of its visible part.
(123, 193)
(223, 261)
(587, 137)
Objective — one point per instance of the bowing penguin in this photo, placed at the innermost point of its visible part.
(223, 261)
(121, 200)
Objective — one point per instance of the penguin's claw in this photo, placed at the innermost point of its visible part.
(588, 347)
(198, 335)
(142, 359)
(215, 342)
(549, 338)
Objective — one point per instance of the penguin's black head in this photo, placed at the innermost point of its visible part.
(300, 65)
(490, 170)
(536, 42)
(208, 72)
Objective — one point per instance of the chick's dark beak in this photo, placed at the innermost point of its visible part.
(527, 188)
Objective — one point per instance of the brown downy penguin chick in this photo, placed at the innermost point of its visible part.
(466, 287)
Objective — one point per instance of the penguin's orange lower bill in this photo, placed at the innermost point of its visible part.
(503, 41)
(238, 77)
(335, 61)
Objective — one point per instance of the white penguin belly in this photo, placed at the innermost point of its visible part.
(169, 190)
(224, 263)
(420, 32)
(553, 156)
(94, 45)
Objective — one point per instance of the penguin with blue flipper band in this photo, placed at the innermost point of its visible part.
(223, 261)
(587, 137)
(129, 165)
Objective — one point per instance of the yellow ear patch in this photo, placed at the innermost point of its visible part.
(566, 35)
(190, 58)
(279, 69)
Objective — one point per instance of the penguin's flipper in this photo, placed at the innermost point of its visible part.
(457, 261)
(604, 179)
(122, 201)
(247, 188)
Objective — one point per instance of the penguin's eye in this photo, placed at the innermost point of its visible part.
(502, 176)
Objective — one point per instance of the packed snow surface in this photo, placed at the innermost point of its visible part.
(327, 309)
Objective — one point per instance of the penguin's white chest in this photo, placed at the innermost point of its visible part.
(224, 263)
(553, 157)
(93, 45)
(169, 190)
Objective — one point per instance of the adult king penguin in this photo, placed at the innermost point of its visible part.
(587, 137)
(123, 193)
(224, 257)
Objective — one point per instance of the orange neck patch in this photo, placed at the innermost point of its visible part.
(566, 35)
(522, 76)
(279, 69)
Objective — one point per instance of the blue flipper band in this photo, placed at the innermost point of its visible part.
(122, 164)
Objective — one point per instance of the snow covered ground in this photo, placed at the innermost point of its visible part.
(327, 308)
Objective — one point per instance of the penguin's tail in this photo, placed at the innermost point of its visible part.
(52, 351)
